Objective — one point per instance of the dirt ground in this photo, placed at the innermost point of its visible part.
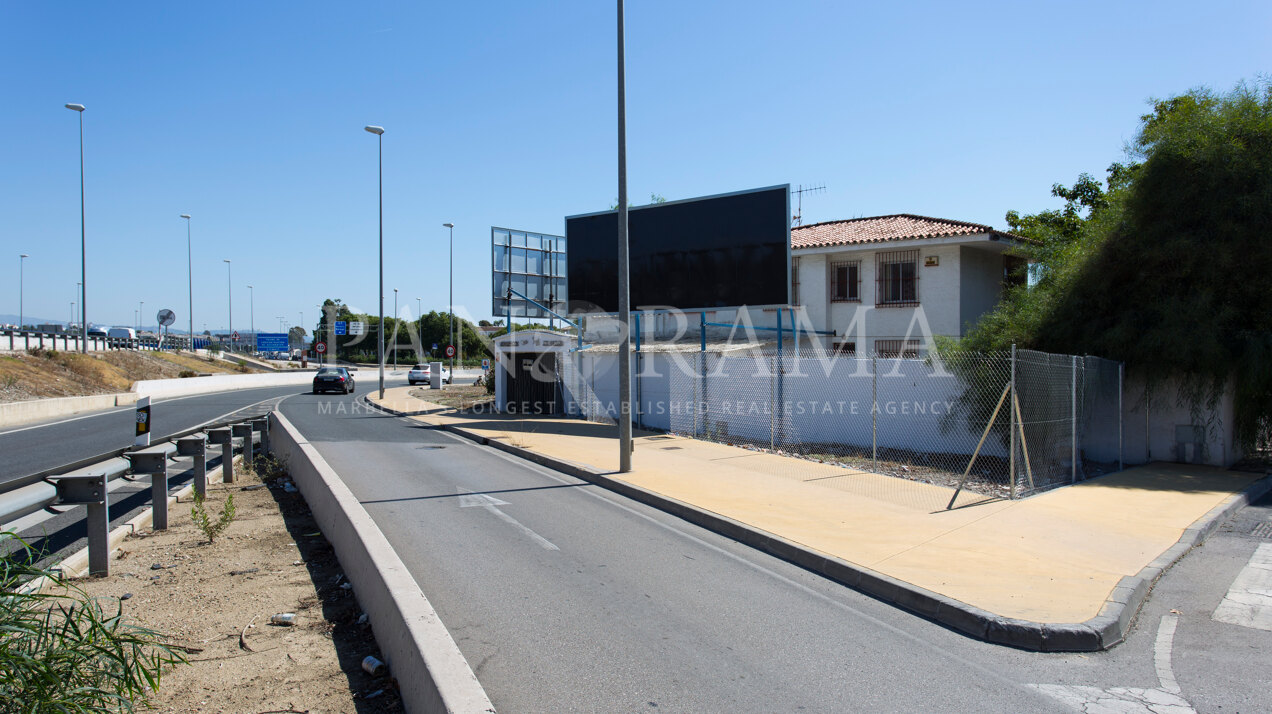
(458, 396)
(217, 600)
(47, 373)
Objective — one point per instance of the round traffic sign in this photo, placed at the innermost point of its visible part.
(450, 350)
(320, 347)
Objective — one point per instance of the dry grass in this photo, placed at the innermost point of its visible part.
(41, 374)
(456, 396)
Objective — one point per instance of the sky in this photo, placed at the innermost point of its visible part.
(249, 117)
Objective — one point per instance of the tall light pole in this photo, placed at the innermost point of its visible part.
(79, 295)
(395, 317)
(72, 322)
(280, 323)
(379, 133)
(190, 275)
(21, 287)
(141, 313)
(251, 315)
(418, 308)
(451, 299)
(624, 306)
(229, 301)
(79, 109)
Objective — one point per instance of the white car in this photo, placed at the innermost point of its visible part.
(420, 374)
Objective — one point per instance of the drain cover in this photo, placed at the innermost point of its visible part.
(1263, 530)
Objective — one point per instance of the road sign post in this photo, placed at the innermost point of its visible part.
(143, 422)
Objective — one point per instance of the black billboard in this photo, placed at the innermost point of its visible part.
(711, 252)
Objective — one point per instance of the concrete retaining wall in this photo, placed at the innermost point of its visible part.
(430, 669)
(15, 413)
(218, 383)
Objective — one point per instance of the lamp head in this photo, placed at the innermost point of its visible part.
(185, 216)
(24, 255)
(448, 225)
(75, 107)
(377, 130)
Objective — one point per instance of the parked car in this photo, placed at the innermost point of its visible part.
(420, 374)
(333, 379)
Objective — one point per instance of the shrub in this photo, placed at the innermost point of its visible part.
(204, 521)
(185, 373)
(65, 652)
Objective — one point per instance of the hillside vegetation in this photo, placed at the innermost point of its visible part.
(38, 373)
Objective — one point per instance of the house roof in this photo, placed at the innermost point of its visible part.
(883, 229)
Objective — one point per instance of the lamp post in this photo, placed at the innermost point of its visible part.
(79, 295)
(624, 306)
(251, 315)
(418, 308)
(79, 109)
(21, 287)
(190, 275)
(141, 314)
(395, 317)
(72, 322)
(229, 302)
(379, 133)
(451, 299)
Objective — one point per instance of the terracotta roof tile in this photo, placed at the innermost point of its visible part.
(882, 229)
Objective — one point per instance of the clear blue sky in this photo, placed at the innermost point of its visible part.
(249, 116)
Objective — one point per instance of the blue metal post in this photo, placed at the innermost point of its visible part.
(638, 332)
(702, 329)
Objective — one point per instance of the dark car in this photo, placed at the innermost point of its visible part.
(333, 379)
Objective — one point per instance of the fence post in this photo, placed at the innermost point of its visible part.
(874, 412)
(1120, 367)
(1011, 463)
(773, 404)
(1073, 422)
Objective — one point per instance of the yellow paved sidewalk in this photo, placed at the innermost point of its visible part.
(1051, 558)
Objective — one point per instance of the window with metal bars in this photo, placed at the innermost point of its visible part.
(897, 278)
(795, 281)
(897, 348)
(845, 281)
(846, 349)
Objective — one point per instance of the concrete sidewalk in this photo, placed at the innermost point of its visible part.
(1064, 570)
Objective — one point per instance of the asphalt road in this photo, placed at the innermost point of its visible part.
(565, 597)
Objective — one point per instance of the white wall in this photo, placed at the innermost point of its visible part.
(980, 284)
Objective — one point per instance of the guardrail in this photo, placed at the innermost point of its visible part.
(87, 482)
(17, 340)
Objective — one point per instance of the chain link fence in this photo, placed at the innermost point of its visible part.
(929, 431)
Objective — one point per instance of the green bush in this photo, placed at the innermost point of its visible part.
(204, 521)
(65, 652)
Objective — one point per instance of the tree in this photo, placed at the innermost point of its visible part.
(1166, 268)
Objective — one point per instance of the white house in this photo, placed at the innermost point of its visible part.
(884, 284)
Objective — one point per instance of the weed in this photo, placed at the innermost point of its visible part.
(64, 651)
(204, 521)
(10, 381)
(187, 373)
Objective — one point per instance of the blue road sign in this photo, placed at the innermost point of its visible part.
(271, 342)
(341, 326)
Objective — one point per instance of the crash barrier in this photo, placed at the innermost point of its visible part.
(87, 482)
(15, 340)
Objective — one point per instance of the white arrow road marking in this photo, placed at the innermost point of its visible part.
(468, 499)
(1249, 600)
(1166, 699)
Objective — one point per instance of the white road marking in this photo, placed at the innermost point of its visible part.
(468, 499)
(1249, 600)
(1165, 699)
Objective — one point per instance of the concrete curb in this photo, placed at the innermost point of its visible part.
(430, 670)
(1101, 632)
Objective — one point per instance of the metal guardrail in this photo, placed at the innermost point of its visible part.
(87, 482)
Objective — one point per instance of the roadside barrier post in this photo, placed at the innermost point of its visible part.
(222, 437)
(91, 491)
(154, 463)
(196, 447)
(244, 432)
(262, 425)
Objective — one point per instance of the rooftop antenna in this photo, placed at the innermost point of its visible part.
(798, 218)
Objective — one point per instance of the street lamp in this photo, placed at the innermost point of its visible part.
(451, 227)
(79, 109)
(418, 309)
(190, 276)
(21, 286)
(251, 315)
(624, 296)
(141, 314)
(79, 295)
(229, 301)
(72, 322)
(395, 317)
(379, 133)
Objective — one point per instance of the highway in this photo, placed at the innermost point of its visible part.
(565, 597)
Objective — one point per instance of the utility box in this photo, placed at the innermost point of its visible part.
(527, 378)
(434, 375)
